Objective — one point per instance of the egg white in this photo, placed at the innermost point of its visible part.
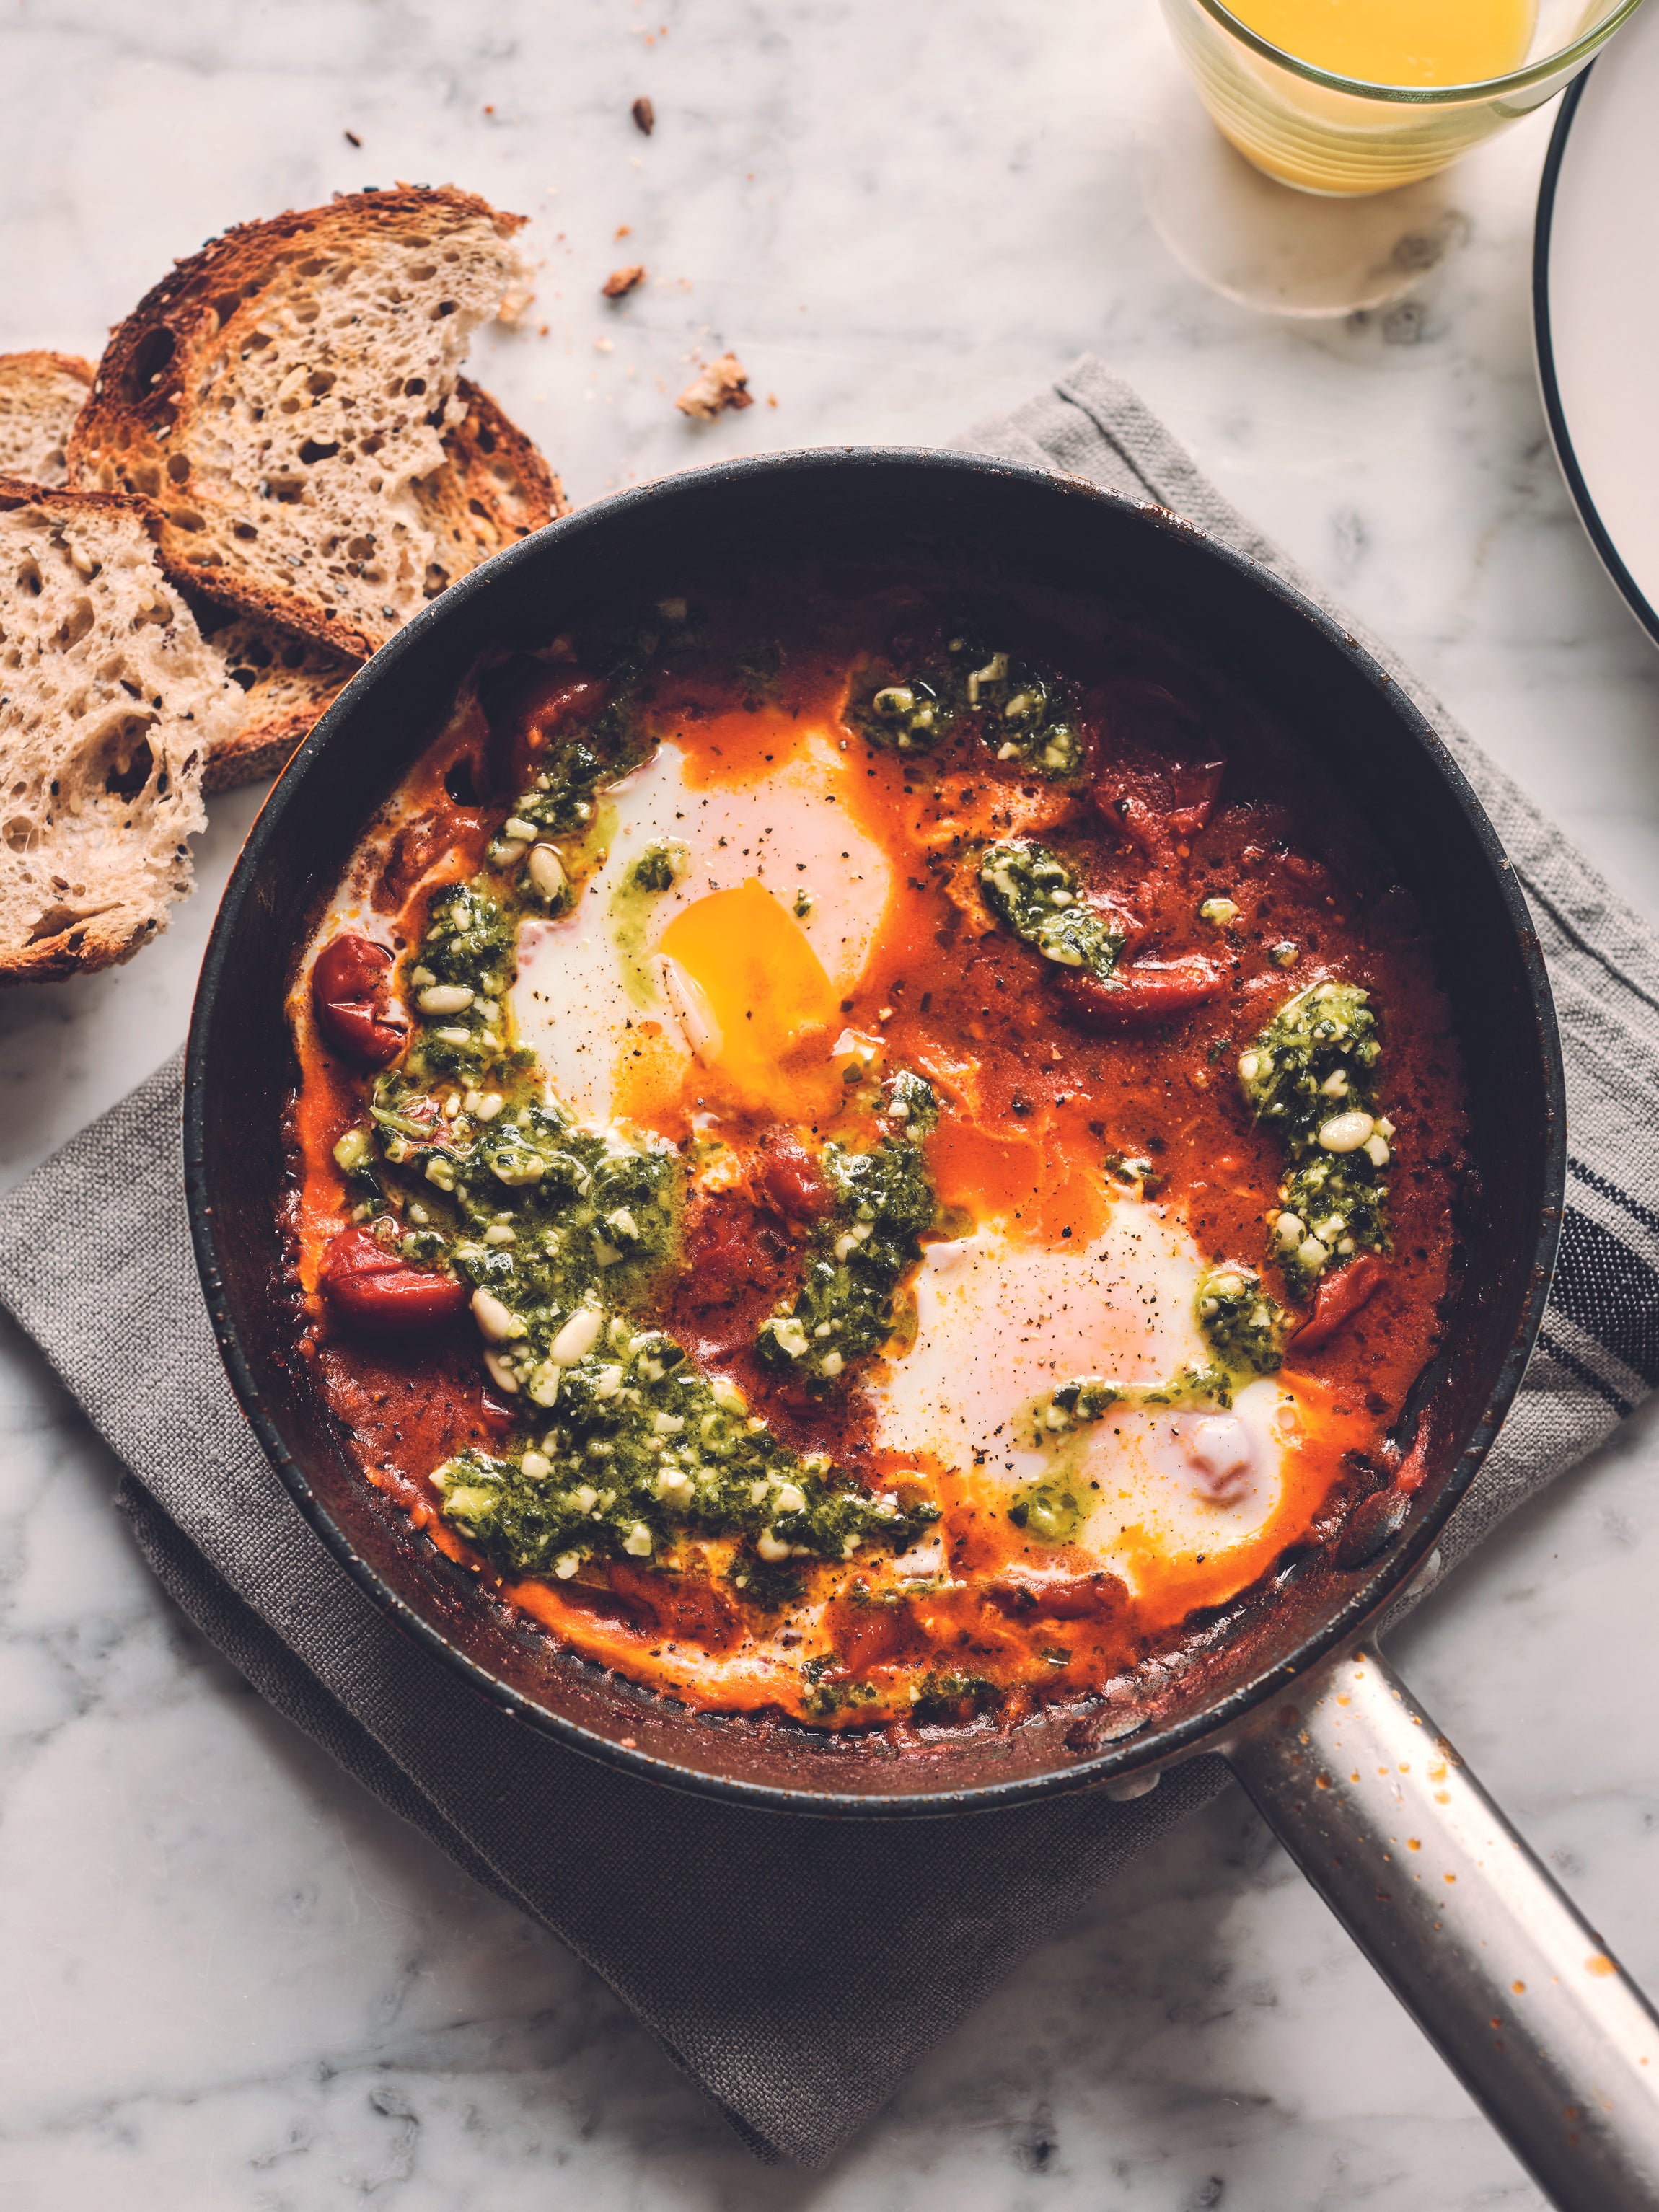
(1002, 1323)
(581, 984)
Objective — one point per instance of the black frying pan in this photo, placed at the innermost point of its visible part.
(1258, 1686)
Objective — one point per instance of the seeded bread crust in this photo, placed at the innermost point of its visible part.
(108, 703)
(40, 396)
(282, 395)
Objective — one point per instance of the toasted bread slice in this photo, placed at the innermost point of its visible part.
(40, 396)
(282, 394)
(493, 488)
(108, 703)
(282, 684)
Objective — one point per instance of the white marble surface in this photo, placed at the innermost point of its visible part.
(231, 1984)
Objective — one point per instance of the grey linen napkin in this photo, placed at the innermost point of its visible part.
(795, 1968)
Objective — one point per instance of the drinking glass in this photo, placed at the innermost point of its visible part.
(1340, 137)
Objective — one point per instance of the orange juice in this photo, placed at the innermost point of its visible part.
(1398, 42)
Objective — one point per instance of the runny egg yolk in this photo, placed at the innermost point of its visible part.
(757, 992)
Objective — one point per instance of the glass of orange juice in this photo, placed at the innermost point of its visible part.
(1345, 97)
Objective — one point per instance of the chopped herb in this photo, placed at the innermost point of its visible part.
(1035, 894)
(1311, 1075)
(939, 1696)
(1023, 711)
(1020, 711)
(1243, 1325)
(1139, 1175)
(656, 867)
(1048, 1513)
(908, 718)
(641, 1449)
(858, 1257)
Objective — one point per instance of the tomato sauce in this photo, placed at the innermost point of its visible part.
(1066, 1102)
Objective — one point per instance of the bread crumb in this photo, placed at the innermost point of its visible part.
(621, 281)
(515, 304)
(644, 115)
(720, 383)
(623, 230)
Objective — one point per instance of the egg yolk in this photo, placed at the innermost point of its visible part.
(761, 986)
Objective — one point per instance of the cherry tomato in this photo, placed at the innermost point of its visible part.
(379, 1293)
(1158, 774)
(1337, 1300)
(790, 1179)
(729, 1248)
(1137, 998)
(1057, 1595)
(547, 700)
(350, 989)
(866, 1635)
(690, 1607)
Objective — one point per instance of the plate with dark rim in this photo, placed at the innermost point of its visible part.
(1596, 306)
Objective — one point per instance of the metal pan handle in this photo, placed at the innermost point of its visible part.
(1521, 1997)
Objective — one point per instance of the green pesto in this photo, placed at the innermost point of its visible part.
(1048, 1420)
(1242, 1325)
(824, 1699)
(1049, 1512)
(1317, 1059)
(770, 1586)
(639, 1450)
(656, 867)
(562, 1230)
(1324, 1033)
(1019, 711)
(633, 905)
(543, 1213)
(561, 800)
(941, 1697)
(1023, 709)
(1135, 1172)
(858, 1257)
(1035, 894)
(910, 717)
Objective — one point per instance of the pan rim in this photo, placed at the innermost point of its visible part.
(1184, 1739)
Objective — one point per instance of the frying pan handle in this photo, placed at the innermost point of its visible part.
(1520, 1996)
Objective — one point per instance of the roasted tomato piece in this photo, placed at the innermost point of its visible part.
(729, 1248)
(418, 847)
(868, 1632)
(352, 991)
(789, 1177)
(1058, 1596)
(1337, 1300)
(379, 1293)
(689, 1607)
(542, 701)
(1137, 998)
(1156, 773)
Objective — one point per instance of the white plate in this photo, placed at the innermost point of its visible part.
(1595, 306)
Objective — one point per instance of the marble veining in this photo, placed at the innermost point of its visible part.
(231, 1983)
